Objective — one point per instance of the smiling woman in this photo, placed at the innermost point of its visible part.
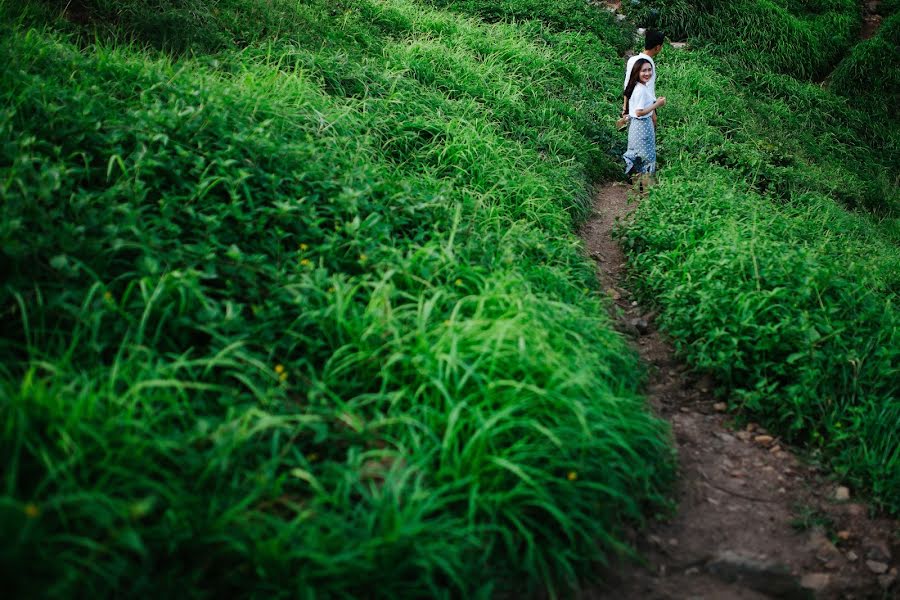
(640, 157)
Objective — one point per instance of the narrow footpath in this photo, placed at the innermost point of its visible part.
(753, 520)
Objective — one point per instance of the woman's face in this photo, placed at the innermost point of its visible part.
(645, 73)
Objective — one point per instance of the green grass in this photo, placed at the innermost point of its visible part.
(801, 38)
(771, 247)
(292, 303)
(863, 75)
(294, 316)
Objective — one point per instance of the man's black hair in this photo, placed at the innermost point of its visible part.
(653, 38)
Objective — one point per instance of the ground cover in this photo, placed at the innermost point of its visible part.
(292, 304)
(772, 249)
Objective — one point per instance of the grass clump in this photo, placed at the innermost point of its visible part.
(801, 38)
(862, 77)
(288, 319)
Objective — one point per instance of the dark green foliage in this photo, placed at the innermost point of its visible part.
(869, 74)
(560, 15)
(796, 37)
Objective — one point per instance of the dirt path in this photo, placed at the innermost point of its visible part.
(871, 18)
(753, 521)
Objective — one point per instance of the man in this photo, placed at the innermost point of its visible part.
(653, 42)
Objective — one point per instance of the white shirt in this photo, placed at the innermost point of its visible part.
(630, 64)
(641, 97)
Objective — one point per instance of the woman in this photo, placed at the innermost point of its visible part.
(640, 159)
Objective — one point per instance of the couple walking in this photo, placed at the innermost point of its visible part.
(639, 109)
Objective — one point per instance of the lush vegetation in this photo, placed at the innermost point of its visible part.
(292, 304)
(804, 38)
(773, 246)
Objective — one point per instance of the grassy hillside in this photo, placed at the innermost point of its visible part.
(773, 245)
(292, 304)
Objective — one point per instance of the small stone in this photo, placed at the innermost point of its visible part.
(877, 567)
(768, 577)
(634, 303)
(819, 543)
(855, 510)
(744, 435)
(713, 501)
(877, 550)
(751, 426)
(763, 439)
(641, 325)
(725, 437)
(843, 535)
(720, 406)
(852, 556)
(775, 448)
(834, 564)
(673, 542)
(842, 493)
(692, 571)
(815, 581)
(679, 45)
(614, 294)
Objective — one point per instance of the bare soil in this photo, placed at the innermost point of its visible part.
(753, 520)
(871, 19)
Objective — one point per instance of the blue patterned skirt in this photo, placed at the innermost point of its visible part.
(641, 154)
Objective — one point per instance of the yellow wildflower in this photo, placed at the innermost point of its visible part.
(572, 476)
(458, 282)
(312, 457)
(305, 262)
(331, 290)
(304, 247)
(363, 258)
(279, 368)
(282, 377)
(107, 296)
(32, 511)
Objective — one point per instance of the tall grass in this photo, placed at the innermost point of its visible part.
(800, 38)
(772, 248)
(304, 316)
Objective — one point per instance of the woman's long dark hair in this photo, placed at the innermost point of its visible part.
(633, 79)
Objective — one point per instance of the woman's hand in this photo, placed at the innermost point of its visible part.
(661, 101)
